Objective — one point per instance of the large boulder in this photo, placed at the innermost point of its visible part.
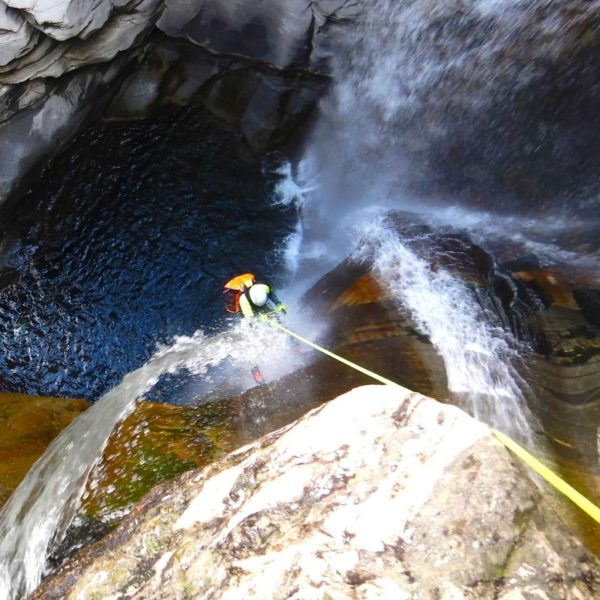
(551, 311)
(380, 493)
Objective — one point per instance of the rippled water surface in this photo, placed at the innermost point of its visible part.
(124, 241)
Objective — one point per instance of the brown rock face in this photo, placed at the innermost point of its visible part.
(28, 425)
(367, 327)
(381, 493)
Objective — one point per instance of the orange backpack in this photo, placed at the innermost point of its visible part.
(235, 288)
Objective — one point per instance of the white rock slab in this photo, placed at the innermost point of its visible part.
(64, 19)
(16, 35)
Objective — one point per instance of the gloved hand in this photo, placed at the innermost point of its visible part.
(282, 307)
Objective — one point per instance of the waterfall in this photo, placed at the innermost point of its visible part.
(410, 79)
(40, 510)
(478, 351)
(402, 75)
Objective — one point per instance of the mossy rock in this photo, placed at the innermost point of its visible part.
(154, 444)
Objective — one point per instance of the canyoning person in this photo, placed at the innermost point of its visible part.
(252, 299)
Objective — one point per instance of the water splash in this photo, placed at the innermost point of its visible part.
(41, 509)
(293, 190)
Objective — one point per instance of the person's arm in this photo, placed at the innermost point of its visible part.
(276, 301)
(246, 307)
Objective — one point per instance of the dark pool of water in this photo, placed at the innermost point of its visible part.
(125, 240)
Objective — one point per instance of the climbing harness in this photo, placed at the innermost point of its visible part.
(552, 478)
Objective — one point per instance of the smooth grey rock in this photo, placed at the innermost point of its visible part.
(280, 33)
(381, 493)
(173, 72)
(121, 32)
(276, 107)
(271, 31)
(43, 41)
(41, 103)
(53, 59)
(264, 103)
(46, 116)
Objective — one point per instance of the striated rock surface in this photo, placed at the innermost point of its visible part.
(264, 103)
(16, 35)
(466, 78)
(46, 39)
(380, 493)
(48, 88)
(44, 114)
(258, 65)
(543, 306)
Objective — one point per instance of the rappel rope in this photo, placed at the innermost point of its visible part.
(548, 475)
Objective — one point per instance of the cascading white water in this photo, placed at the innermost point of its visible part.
(478, 353)
(40, 510)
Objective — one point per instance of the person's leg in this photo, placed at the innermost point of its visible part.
(257, 376)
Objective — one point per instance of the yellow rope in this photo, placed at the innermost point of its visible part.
(552, 478)
(335, 356)
(562, 486)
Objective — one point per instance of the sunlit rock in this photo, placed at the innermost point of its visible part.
(380, 493)
(155, 443)
(28, 425)
(66, 18)
(16, 35)
(566, 331)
